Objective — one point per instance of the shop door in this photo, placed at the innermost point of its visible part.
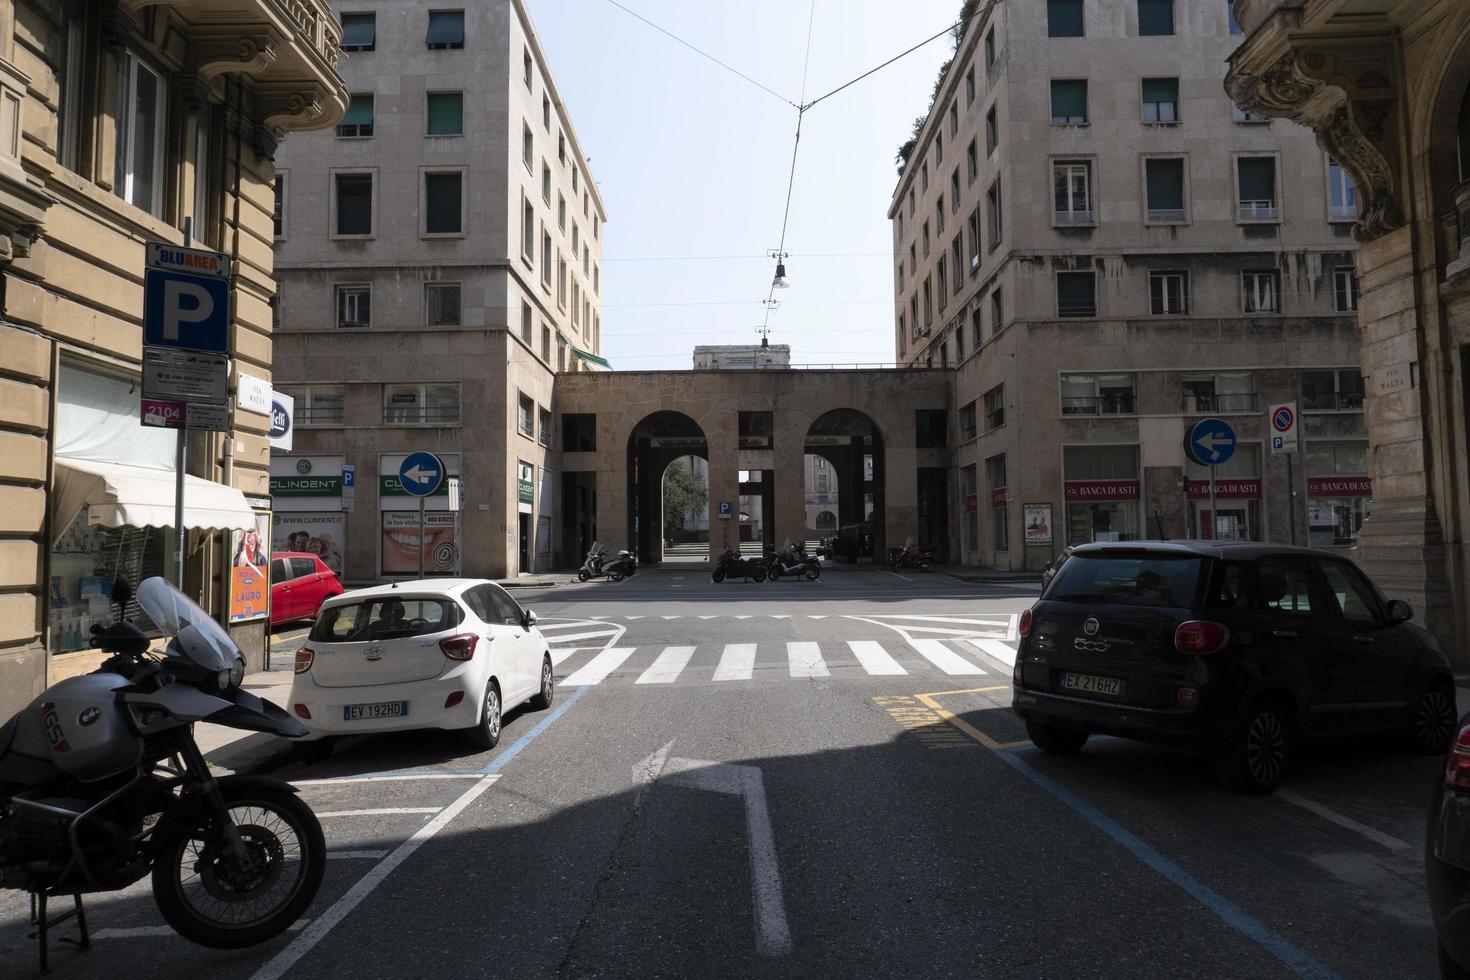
(1233, 525)
(524, 550)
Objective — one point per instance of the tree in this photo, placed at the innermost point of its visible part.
(683, 492)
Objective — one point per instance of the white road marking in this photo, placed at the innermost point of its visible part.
(1347, 823)
(949, 631)
(334, 780)
(546, 627)
(355, 855)
(378, 811)
(595, 634)
(1013, 631)
(874, 658)
(364, 886)
(597, 617)
(595, 671)
(946, 619)
(782, 616)
(896, 575)
(999, 649)
(736, 663)
(817, 617)
(632, 617)
(805, 660)
(742, 617)
(670, 617)
(669, 665)
(944, 658)
(709, 617)
(558, 654)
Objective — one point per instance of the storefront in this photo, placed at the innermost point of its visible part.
(403, 542)
(310, 515)
(1339, 493)
(995, 476)
(1101, 486)
(1237, 495)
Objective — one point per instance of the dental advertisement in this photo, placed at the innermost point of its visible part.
(402, 543)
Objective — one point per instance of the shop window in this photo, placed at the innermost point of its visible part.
(1339, 492)
(995, 478)
(1237, 515)
(1097, 394)
(969, 483)
(756, 429)
(1330, 391)
(931, 428)
(84, 562)
(1102, 491)
(578, 433)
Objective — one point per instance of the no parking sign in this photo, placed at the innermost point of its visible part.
(1283, 427)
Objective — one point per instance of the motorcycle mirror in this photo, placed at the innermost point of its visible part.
(122, 590)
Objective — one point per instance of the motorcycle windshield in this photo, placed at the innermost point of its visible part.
(173, 612)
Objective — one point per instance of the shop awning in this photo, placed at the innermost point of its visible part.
(592, 359)
(121, 495)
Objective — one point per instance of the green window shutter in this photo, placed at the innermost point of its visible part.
(446, 113)
(1064, 18)
(1257, 179)
(1069, 100)
(1076, 293)
(442, 197)
(1155, 18)
(1161, 90)
(359, 32)
(446, 28)
(1165, 179)
(359, 111)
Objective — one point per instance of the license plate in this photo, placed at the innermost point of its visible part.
(1091, 684)
(383, 709)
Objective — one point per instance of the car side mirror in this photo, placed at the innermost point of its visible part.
(122, 590)
(530, 618)
(1399, 611)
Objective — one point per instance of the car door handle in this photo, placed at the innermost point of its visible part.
(1362, 638)
(1284, 634)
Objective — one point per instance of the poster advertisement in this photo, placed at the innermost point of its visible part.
(402, 544)
(1038, 523)
(318, 533)
(250, 585)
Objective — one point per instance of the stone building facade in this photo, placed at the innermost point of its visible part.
(1106, 251)
(1384, 85)
(439, 257)
(206, 90)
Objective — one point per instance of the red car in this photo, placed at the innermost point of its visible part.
(300, 583)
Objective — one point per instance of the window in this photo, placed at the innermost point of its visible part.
(992, 210)
(1161, 100)
(596, 228)
(970, 87)
(543, 426)
(1355, 596)
(528, 67)
(972, 164)
(597, 280)
(1218, 393)
(546, 182)
(574, 178)
(1256, 189)
(1076, 294)
(931, 428)
(69, 98)
(943, 281)
(527, 322)
(441, 304)
(1097, 394)
(525, 416)
(528, 147)
(1332, 391)
(445, 114)
(1072, 201)
(358, 120)
(992, 132)
(938, 148)
(359, 32)
(959, 339)
(1068, 101)
(939, 215)
(974, 227)
(546, 113)
(561, 213)
(546, 258)
(138, 175)
(1235, 27)
(354, 204)
(1163, 180)
(446, 29)
(1261, 292)
(444, 203)
(1336, 507)
(317, 404)
(561, 147)
(928, 302)
(954, 118)
(578, 433)
(967, 422)
(1155, 18)
(954, 190)
(561, 281)
(990, 49)
(1064, 18)
(1246, 116)
(926, 238)
(1345, 289)
(528, 231)
(924, 176)
(995, 407)
(354, 305)
(957, 252)
(995, 476)
(754, 429)
(1168, 293)
(420, 404)
(1342, 193)
(545, 343)
(279, 214)
(997, 312)
(977, 325)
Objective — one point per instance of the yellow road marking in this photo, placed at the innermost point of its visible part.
(960, 723)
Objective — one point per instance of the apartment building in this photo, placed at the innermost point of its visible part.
(1105, 249)
(439, 260)
(125, 124)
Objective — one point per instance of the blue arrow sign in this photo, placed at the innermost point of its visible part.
(1210, 442)
(421, 473)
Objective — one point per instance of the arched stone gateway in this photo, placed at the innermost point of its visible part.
(655, 442)
(850, 444)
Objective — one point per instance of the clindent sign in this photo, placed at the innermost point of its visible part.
(1083, 490)
(1339, 486)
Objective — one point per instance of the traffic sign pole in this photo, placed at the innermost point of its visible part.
(1214, 514)
(421, 539)
(180, 457)
(1291, 494)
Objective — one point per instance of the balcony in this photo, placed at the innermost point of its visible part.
(426, 415)
(1344, 212)
(1077, 307)
(1258, 211)
(309, 415)
(1332, 401)
(1167, 216)
(1116, 404)
(1073, 219)
(1202, 403)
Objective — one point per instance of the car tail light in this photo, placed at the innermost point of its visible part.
(1457, 763)
(461, 647)
(304, 658)
(302, 711)
(1187, 697)
(455, 697)
(1024, 626)
(1200, 637)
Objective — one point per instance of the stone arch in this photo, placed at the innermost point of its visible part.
(847, 438)
(655, 441)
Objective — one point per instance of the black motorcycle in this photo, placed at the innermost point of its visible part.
(101, 783)
(730, 565)
(594, 565)
(794, 562)
(625, 565)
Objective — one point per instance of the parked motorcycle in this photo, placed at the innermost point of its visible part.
(594, 565)
(101, 783)
(625, 565)
(910, 557)
(730, 565)
(792, 562)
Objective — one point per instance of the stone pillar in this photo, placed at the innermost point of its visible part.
(724, 484)
(789, 498)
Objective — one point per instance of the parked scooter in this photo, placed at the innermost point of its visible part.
(910, 557)
(625, 565)
(101, 783)
(731, 565)
(593, 566)
(792, 562)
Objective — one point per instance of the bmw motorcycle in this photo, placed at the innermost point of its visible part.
(625, 565)
(593, 566)
(793, 562)
(731, 565)
(102, 783)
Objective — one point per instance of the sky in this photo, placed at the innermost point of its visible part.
(692, 163)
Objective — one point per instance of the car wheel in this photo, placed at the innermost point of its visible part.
(542, 700)
(314, 751)
(582, 576)
(1449, 969)
(1256, 760)
(717, 576)
(1054, 740)
(486, 734)
(1434, 720)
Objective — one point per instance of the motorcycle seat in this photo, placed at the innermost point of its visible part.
(17, 769)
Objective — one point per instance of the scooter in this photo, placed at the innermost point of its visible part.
(593, 565)
(793, 562)
(625, 565)
(910, 557)
(102, 783)
(731, 565)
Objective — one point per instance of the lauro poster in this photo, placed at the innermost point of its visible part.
(250, 582)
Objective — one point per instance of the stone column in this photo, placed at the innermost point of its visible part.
(723, 441)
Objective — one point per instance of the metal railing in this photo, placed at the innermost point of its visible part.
(309, 415)
(1077, 307)
(1073, 218)
(421, 415)
(1258, 211)
(1194, 403)
(1097, 405)
(1166, 214)
(1344, 212)
(1333, 401)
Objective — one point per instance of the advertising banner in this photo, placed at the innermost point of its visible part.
(250, 584)
(322, 534)
(1037, 523)
(402, 544)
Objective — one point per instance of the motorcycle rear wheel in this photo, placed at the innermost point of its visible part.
(717, 576)
(813, 573)
(926, 565)
(759, 574)
(582, 576)
(774, 574)
(615, 576)
(203, 892)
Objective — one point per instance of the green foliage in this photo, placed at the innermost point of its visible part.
(683, 492)
(957, 34)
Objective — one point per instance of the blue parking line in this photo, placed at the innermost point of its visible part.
(515, 749)
(1295, 959)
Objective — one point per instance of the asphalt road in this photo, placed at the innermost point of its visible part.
(812, 780)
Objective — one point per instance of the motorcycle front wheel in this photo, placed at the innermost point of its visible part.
(926, 565)
(582, 576)
(813, 573)
(615, 576)
(759, 574)
(717, 576)
(774, 574)
(212, 898)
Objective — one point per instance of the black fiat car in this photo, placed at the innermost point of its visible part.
(1447, 858)
(1238, 650)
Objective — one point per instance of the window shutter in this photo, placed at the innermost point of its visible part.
(446, 27)
(1161, 90)
(1165, 180)
(1155, 17)
(1064, 18)
(1069, 100)
(1257, 179)
(446, 113)
(359, 111)
(359, 31)
(442, 203)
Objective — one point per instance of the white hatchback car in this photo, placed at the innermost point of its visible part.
(442, 653)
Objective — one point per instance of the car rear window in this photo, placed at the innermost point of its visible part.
(1127, 579)
(384, 619)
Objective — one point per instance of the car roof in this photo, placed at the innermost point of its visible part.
(413, 588)
(1228, 550)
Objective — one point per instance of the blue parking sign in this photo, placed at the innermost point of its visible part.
(186, 299)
